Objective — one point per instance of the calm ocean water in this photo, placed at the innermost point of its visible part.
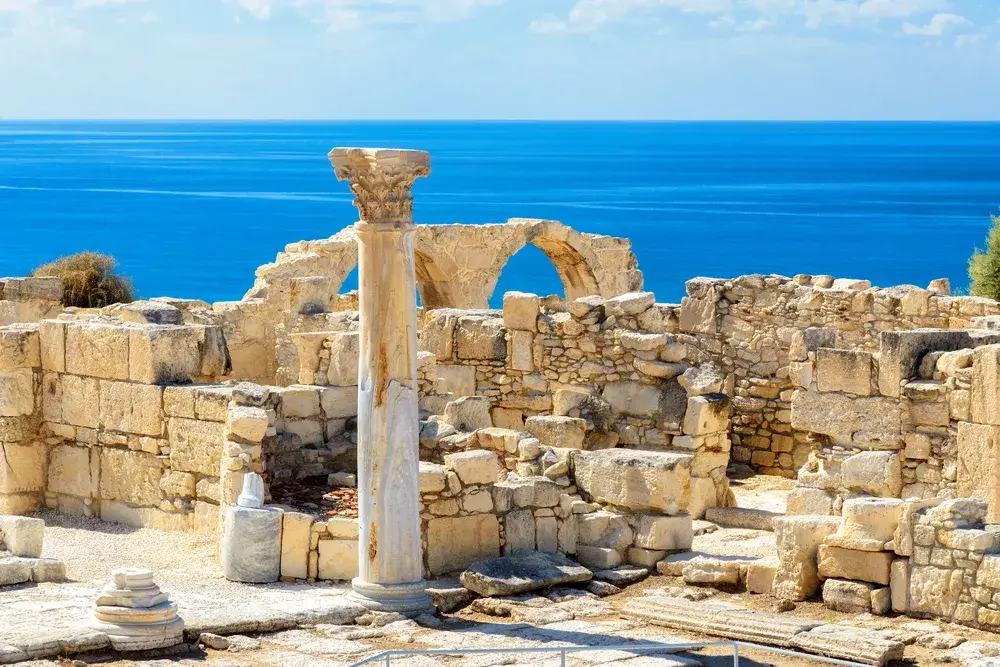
(192, 208)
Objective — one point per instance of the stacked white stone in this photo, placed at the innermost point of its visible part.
(135, 614)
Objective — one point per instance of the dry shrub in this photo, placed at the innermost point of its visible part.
(89, 280)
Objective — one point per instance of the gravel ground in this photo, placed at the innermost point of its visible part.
(762, 492)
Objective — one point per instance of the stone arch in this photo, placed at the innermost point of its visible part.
(433, 282)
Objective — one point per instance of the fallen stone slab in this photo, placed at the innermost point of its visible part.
(449, 595)
(520, 573)
(703, 570)
(849, 643)
(626, 575)
(741, 517)
(718, 619)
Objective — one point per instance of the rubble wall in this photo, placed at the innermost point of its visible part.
(754, 327)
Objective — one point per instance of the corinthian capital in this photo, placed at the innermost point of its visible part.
(381, 180)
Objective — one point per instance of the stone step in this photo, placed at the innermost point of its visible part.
(718, 619)
(849, 643)
(741, 517)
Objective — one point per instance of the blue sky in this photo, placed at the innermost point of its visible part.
(500, 59)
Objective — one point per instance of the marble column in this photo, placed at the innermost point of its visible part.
(390, 574)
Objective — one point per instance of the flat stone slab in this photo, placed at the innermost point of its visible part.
(741, 517)
(850, 643)
(626, 575)
(520, 573)
(718, 619)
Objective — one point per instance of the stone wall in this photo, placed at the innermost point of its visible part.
(754, 327)
(29, 299)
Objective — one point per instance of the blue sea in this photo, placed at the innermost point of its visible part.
(190, 209)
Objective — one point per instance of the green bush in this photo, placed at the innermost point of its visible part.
(89, 280)
(984, 265)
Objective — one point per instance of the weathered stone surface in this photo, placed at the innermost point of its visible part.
(877, 473)
(251, 544)
(598, 558)
(132, 408)
(703, 570)
(977, 459)
(195, 445)
(760, 575)
(449, 595)
(632, 398)
(847, 371)
(665, 533)
(900, 353)
(622, 576)
(563, 432)
(869, 423)
(454, 543)
(131, 477)
(469, 413)
(474, 467)
(17, 393)
(481, 338)
(162, 354)
(704, 379)
(849, 643)
(296, 532)
(872, 566)
(658, 481)
(741, 517)
(520, 311)
(509, 575)
(707, 414)
(798, 539)
(934, 590)
(716, 619)
(22, 536)
(868, 523)
(247, 423)
(804, 500)
(97, 349)
(338, 560)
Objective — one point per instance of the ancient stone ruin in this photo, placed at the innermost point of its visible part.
(586, 435)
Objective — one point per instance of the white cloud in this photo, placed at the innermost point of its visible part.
(548, 25)
(88, 4)
(758, 25)
(900, 9)
(259, 9)
(937, 26)
(339, 14)
(15, 6)
(963, 41)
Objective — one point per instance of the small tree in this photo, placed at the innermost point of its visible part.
(89, 280)
(984, 265)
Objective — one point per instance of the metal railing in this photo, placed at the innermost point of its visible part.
(386, 656)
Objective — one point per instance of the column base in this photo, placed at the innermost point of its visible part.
(406, 598)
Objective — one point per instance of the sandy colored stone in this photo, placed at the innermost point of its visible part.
(131, 408)
(162, 354)
(658, 481)
(97, 349)
(130, 477)
(564, 432)
(69, 471)
(296, 529)
(454, 543)
(871, 566)
(798, 539)
(195, 446)
(847, 371)
(338, 560)
(474, 467)
(23, 469)
(17, 393)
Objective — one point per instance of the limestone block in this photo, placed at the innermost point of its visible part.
(638, 480)
(707, 414)
(706, 378)
(17, 393)
(22, 469)
(598, 558)
(900, 353)
(977, 460)
(988, 573)
(345, 351)
(131, 408)
(130, 477)
(641, 342)
(850, 597)
(917, 446)
(19, 347)
(433, 477)
(251, 544)
(339, 402)
(985, 393)
(698, 315)
(176, 484)
(798, 539)
(195, 446)
(503, 441)
(522, 351)
(206, 517)
(97, 349)
(69, 471)
(52, 345)
(877, 473)
(469, 413)
(510, 575)
(482, 338)
(438, 333)
(868, 423)
(520, 311)
(899, 585)
(519, 531)
(22, 536)
(934, 590)
(247, 423)
(629, 304)
(526, 492)
(474, 467)
(456, 380)
(477, 501)
(162, 354)
(178, 401)
(872, 566)
(647, 558)
(309, 431)
(296, 531)
(760, 575)
(659, 369)
(804, 500)
(665, 533)
(868, 523)
(454, 543)
(847, 371)
(300, 402)
(567, 536)
(604, 529)
(564, 432)
(632, 398)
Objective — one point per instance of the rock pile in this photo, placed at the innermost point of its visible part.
(135, 614)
